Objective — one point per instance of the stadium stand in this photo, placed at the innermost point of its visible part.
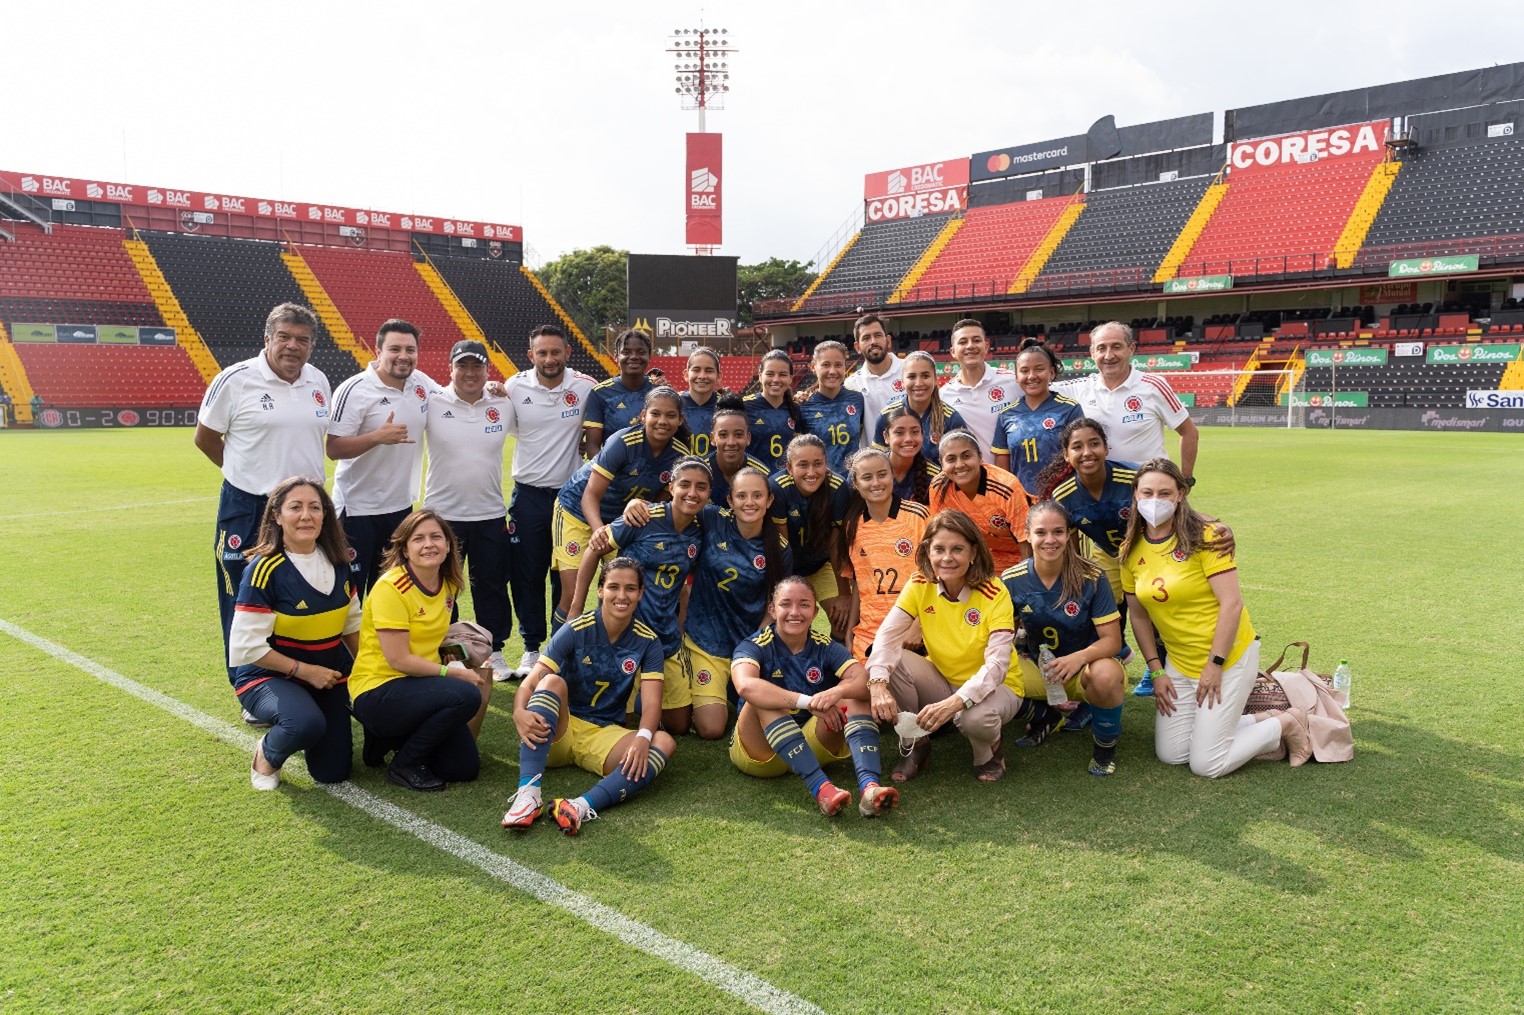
(1415, 384)
(873, 265)
(227, 288)
(110, 375)
(76, 275)
(985, 256)
(1121, 238)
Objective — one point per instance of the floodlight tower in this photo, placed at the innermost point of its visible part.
(702, 77)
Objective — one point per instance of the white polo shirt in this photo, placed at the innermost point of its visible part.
(1135, 413)
(878, 390)
(465, 476)
(548, 424)
(386, 477)
(980, 403)
(271, 430)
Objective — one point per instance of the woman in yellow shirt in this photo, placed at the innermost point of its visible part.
(1182, 583)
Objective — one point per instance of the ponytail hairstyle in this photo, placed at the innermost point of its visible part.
(1190, 525)
(772, 548)
(783, 583)
(622, 564)
(788, 395)
(1029, 344)
(829, 345)
(936, 412)
(920, 468)
(1076, 571)
(682, 435)
(822, 537)
(856, 504)
(942, 480)
(1059, 469)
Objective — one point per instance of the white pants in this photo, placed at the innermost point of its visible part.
(1219, 739)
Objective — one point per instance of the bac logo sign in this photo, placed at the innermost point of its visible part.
(911, 191)
(701, 187)
(1309, 146)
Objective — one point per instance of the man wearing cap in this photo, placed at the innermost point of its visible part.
(378, 419)
(545, 412)
(262, 421)
(466, 429)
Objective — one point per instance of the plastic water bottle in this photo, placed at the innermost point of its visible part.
(1057, 697)
(1341, 682)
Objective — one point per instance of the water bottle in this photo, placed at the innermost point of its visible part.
(1341, 682)
(1056, 695)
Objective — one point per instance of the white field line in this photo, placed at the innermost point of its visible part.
(753, 990)
(107, 507)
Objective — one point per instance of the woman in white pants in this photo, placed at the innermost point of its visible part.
(1180, 582)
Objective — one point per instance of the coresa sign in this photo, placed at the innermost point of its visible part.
(1309, 146)
(912, 191)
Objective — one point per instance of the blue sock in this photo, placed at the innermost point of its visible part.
(615, 788)
(1106, 725)
(557, 619)
(787, 741)
(862, 738)
(547, 705)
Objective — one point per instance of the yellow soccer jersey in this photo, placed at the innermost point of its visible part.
(399, 603)
(1173, 588)
(956, 633)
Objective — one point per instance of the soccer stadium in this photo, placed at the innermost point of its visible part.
(1318, 304)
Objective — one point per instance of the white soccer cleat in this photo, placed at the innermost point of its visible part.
(525, 807)
(500, 670)
(526, 663)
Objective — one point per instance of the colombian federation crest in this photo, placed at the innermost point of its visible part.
(972, 617)
(813, 674)
(1133, 403)
(1071, 609)
(628, 666)
(903, 547)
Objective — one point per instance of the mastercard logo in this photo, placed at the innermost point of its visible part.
(998, 163)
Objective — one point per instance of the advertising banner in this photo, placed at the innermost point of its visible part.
(54, 417)
(79, 334)
(1186, 398)
(1505, 352)
(1308, 147)
(703, 183)
(670, 325)
(912, 191)
(1432, 266)
(1346, 357)
(116, 334)
(1202, 284)
(1163, 361)
(1324, 399)
(1030, 158)
(33, 333)
(1495, 399)
(1389, 292)
(156, 336)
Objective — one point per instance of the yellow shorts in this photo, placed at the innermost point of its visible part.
(1111, 567)
(1033, 685)
(775, 766)
(674, 683)
(708, 676)
(824, 583)
(585, 745)
(571, 537)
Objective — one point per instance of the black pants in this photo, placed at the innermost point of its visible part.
(427, 716)
(484, 552)
(303, 718)
(369, 536)
(238, 516)
(529, 522)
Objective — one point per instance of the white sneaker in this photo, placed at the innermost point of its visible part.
(500, 670)
(251, 719)
(526, 663)
(259, 780)
(524, 807)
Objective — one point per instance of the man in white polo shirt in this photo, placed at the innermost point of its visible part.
(378, 419)
(464, 483)
(879, 376)
(545, 411)
(1135, 407)
(978, 391)
(262, 421)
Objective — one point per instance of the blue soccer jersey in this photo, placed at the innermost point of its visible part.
(666, 556)
(951, 420)
(837, 421)
(792, 508)
(700, 420)
(771, 430)
(730, 584)
(613, 406)
(1103, 518)
(1064, 625)
(600, 675)
(719, 486)
(819, 667)
(309, 625)
(1030, 436)
(905, 488)
(633, 470)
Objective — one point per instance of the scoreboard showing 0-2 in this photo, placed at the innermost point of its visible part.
(682, 299)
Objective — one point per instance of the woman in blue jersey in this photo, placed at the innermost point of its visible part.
(773, 414)
(295, 630)
(913, 471)
(1027, 432)
(616, 403)
(924, 398)
(702, 397)
(636, 463)
(729, 440)
(832, 412)
(810, 502)
(1063, 603)
(570, 709)
(786, 672)
(666, 546)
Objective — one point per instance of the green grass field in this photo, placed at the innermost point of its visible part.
(139, 872)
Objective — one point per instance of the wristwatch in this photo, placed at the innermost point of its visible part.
(1219, 660)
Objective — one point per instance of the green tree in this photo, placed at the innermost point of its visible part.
(590, 285)
(772, 279)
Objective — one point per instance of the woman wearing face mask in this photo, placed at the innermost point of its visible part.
(1027, 432)
(701, 399)
(729, 438)
(771, 411)
(810, 503)
(963, 614)
(882, 533)
(986, 493)
(922, 397)
(832, 412)
(1065, 604)
(913, 471)
(1180, 583)
(617, 402)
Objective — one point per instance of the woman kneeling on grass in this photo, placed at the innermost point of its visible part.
(402, 694)
(1180, 582)
(295, 629)
(786, 671)
(570, 709)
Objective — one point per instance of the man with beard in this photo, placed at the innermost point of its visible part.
(378, 419)
(879, 376)
(547, 404)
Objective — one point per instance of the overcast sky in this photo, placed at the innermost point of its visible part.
(561, 117)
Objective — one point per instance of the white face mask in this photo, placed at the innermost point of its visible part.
(909, 731)
(1156, 511)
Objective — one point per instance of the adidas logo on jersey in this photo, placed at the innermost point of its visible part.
(932, 610)
(661, 546)
(385, 400)
(587, 660)
(448, 414)
(1026, 608)
(302, 605)
(724, 546)
(528, 400)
